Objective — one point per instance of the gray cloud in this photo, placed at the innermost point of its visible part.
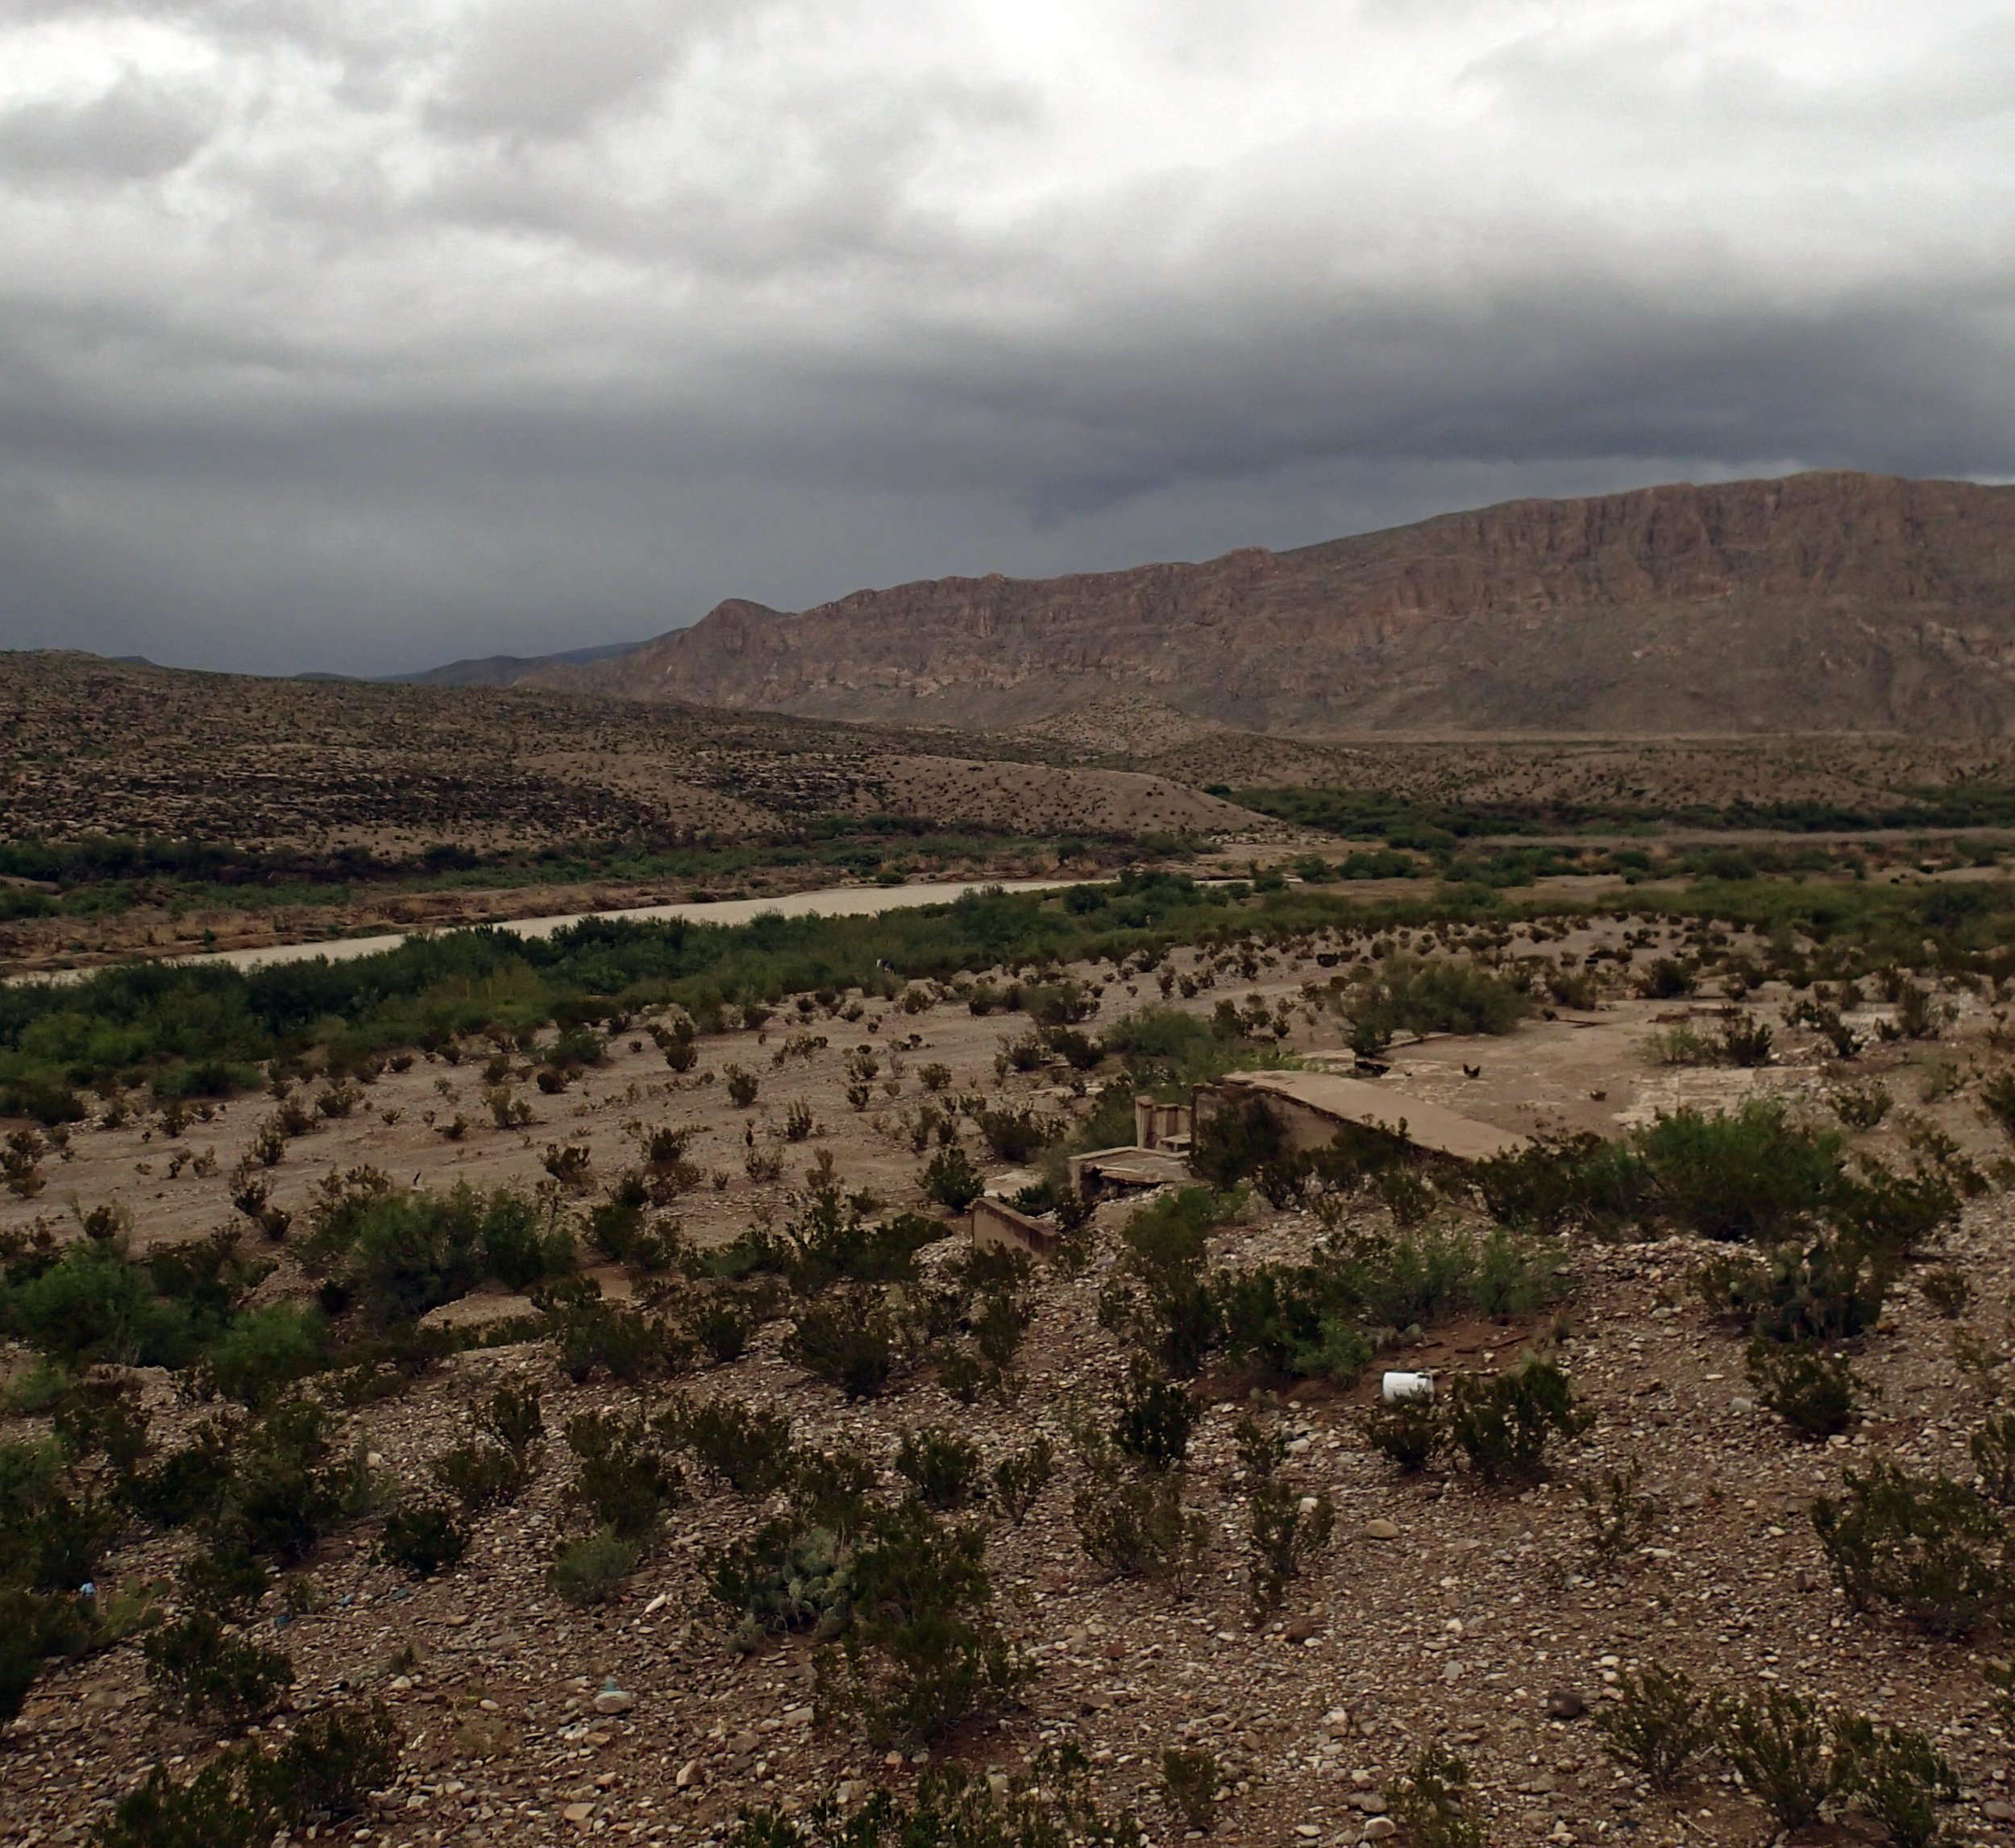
(361, 337)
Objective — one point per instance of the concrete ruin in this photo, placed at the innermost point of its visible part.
(1312, 1107)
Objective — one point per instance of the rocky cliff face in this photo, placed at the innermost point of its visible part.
(1823, 602)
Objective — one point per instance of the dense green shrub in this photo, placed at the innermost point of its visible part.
(1659, 1727)
(1897, 1775)
(1433, 1804)
(1813, 1391)
(1925, 1545)
(1288, 1529)
(591, 1334)
(1828, 1289)
(1501, 1424)
(592, 1570)
(1408, 994)
(324, 1772)
(851, 1339)
(204, 1673)
(1778, 1743)
(923, 1652)
(1160, 1297)
(1155, 1421)
(423, 1538)
(52, 1533)
(951, 1180)
(942, 1467)
(746, 1446)
(624, 1480)
(1019, 1480)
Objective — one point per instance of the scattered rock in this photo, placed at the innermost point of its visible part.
(1565, 1704)
(1379, 1528)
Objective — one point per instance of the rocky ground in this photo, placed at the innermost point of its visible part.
(1443, 1612)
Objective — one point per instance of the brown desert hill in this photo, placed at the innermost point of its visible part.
(1828, 602)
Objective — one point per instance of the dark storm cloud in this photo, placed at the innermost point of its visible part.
(362, 337)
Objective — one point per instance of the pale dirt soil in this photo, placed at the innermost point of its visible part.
(1457, 1630)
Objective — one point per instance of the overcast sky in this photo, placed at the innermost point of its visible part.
(361, 334)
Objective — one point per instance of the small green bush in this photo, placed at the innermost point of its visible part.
(326, 1771)
(1778, 1743)
(1410, 1432)
(1019, 1480)
(1156, 1420)
(1926, 1546)
(1813, 1391)
(943, 1467)
(593, 1570)
(624, 1480)
(1659, 1727)
(1897, 1775)
(924, 1653)
(1190, 1781)
(204, 1674)
(747, 1448)
(1501, 1424)
(1432, 1803)
(950, 1179)
(421, 1539)
(227, 1581)
(1288, 1529)
(852, 1341)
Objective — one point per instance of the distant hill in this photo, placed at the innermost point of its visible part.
(509, 670)
(1831, 602)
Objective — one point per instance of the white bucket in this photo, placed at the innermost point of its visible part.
(1399, 1386)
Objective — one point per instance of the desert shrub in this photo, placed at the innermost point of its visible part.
(1291, 1320)
(1407, 994)
(480, 1476)
(1992, 1449)
(1948, 1291)
(1926, 1545)
(1413, 1276)
(593, 1569)
(1019, 1480)
(326, 1773)
(789, 1575)
(1431, 1805)
(722, 1322)
(1778, 1743)
(1287, 1529)
(207, 1675)
(1748, 1174)
(1813, 1391)
(1896, 1774)
(852, 1340)
(184, 1485)
(591, 1333)
(1190, 1779)
(423, 1538)
(33, 1628)
(264, 1351)
(1557, 1184)
(829, 1240)
(1409, 1433)
(1244, 1140)
(288, 1485)
(1132, 1523)
(1501, 1424)
(950, 1179)
(624, 1480)
(830, 1488)
(51, 1536)
(943, 1467)
(209, 1811)
(746, 1446)
(1620, 1516)
(742, 1086)
(1014, 1135)
(1161, 1297)
(1667, 979)
(923, 1652)
(1863, 1105)
(1831, 1287)
(1156, 1419)
(1659, 1727)
(227, 1581)
(1044, 1807)
(1513, 1277)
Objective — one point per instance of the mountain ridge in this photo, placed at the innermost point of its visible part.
(1829, 601)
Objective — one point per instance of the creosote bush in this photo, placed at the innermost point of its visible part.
(1814, 1392)
(1928, 1547)
(1660, 1726)
(207, 1674)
